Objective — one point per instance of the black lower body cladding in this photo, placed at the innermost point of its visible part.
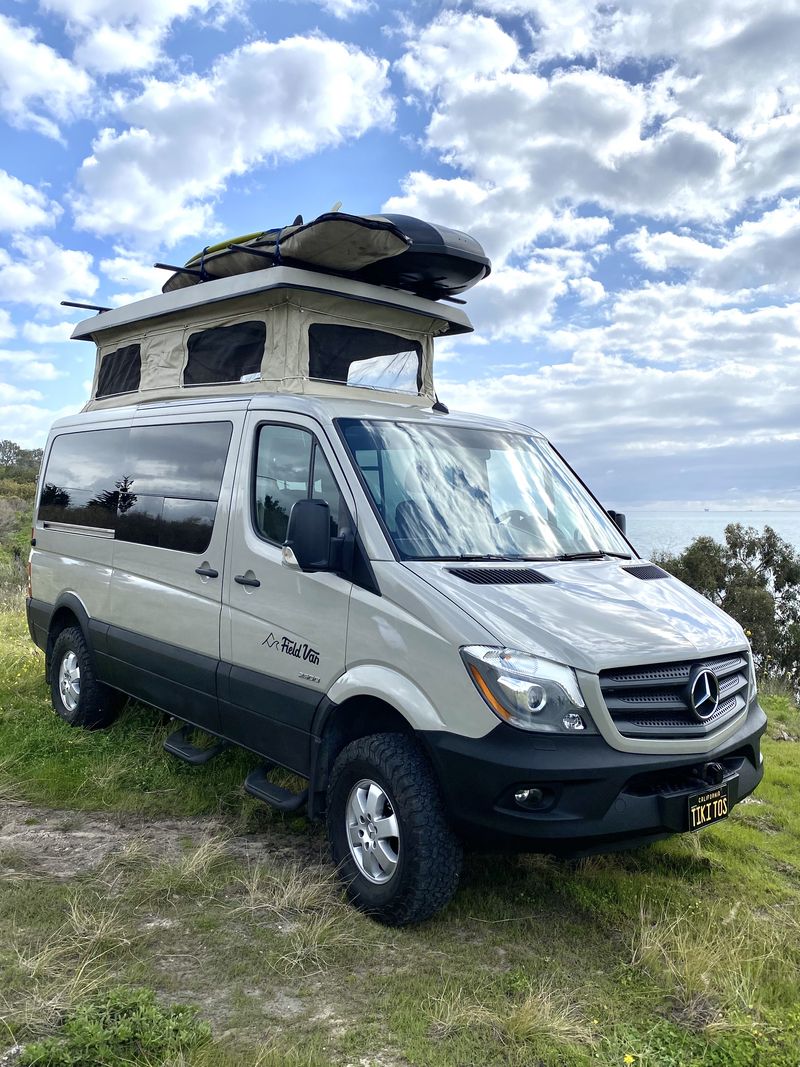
(594, 798)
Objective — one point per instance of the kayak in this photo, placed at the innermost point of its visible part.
(392, 250)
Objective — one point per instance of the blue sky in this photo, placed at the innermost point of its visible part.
(633, 170)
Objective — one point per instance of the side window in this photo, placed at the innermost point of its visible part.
(120, 371)
(290, 466)
(83, 479)
(355, 355)
(152, 485)
(171, 501)
(225, 353)
(282, 474)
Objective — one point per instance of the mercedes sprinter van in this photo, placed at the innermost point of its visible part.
(265, 524)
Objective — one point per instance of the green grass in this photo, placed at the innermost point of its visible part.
(684, 954)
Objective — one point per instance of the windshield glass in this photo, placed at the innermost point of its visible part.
(450, 492)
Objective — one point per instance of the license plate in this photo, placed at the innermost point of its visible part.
(708, 806)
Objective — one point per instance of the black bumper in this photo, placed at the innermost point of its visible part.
(594, 798)
(38, 614)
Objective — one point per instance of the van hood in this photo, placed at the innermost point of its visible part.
(591, 614)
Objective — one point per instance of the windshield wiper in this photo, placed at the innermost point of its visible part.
(596, 554)
(481, 558)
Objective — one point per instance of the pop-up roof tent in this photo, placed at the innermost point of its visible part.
(281, 329)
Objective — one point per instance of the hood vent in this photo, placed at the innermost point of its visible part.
(500, 575)
(648, 572)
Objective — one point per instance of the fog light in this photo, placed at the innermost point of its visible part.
(529, 796)
(573, 721)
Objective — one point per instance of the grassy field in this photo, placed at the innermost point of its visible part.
(124, 869)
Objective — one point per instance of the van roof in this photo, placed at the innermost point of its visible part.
(323, 408)
(258, 281)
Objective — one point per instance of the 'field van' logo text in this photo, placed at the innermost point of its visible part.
(298, 649)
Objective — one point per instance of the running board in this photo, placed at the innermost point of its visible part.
(257, 784)
(178, 744)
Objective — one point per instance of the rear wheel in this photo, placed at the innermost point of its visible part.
(388, 830)
(77, 696)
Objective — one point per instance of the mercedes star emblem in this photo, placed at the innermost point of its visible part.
(704, 694)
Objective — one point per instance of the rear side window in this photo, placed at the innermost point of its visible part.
(290, 466)
(371, 358)
(79, 482)
(152, 485)
(225, 353)
(120, 371)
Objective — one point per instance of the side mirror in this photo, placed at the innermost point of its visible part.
(308, 535)
(618, 519)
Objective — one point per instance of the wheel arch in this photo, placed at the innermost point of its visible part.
(336, 725)
(68, 610)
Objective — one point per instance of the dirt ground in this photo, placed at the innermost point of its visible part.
(62, 844)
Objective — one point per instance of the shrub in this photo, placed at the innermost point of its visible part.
(122, 1027)
(755, 577)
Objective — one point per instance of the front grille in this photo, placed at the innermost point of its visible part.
(653, 701)
(500, 575)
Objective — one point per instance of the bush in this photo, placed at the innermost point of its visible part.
(755, 577)
(123, 1027)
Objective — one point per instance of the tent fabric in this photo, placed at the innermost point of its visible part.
(284, 318)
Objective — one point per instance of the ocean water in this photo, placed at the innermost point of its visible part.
(657, 531)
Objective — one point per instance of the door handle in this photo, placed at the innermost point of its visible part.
(240, 579)
(206, 572)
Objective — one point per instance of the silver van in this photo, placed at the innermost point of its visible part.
(266, 524)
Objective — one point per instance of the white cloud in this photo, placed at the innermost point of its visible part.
(10, 393)
(456, 45)
(24, 207)
(115, 35)
(41, 334)
(132, 269)
(38, 88)
(7, 327)
(263, 102)
(589, 290)
(44, 273)
(29, 365)
(514, 302)
(25, 422)
(761, 252)
(345, 9)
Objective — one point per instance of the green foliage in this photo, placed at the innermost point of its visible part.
(123, 1027)
(755, 577)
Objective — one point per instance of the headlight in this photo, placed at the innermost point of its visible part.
(532, 693)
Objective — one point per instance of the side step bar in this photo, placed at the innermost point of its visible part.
(178, 744)
(257, 784)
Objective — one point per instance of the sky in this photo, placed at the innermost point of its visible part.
(632, 168)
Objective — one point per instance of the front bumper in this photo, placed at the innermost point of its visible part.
(595, 798)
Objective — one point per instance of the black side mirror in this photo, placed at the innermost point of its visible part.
(618, 519)
(308, 535)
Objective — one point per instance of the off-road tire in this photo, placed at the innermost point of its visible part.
(429, 856)
(97, 705)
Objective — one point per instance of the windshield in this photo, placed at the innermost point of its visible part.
(454, 492)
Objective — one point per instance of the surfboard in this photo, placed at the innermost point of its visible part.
(394, 250)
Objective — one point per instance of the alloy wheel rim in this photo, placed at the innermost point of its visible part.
(373, 832)
(69, 681)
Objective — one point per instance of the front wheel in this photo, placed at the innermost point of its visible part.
(388, 831)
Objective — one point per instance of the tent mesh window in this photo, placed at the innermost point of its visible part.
(120, 371)
(225, 353)
(373, 359)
